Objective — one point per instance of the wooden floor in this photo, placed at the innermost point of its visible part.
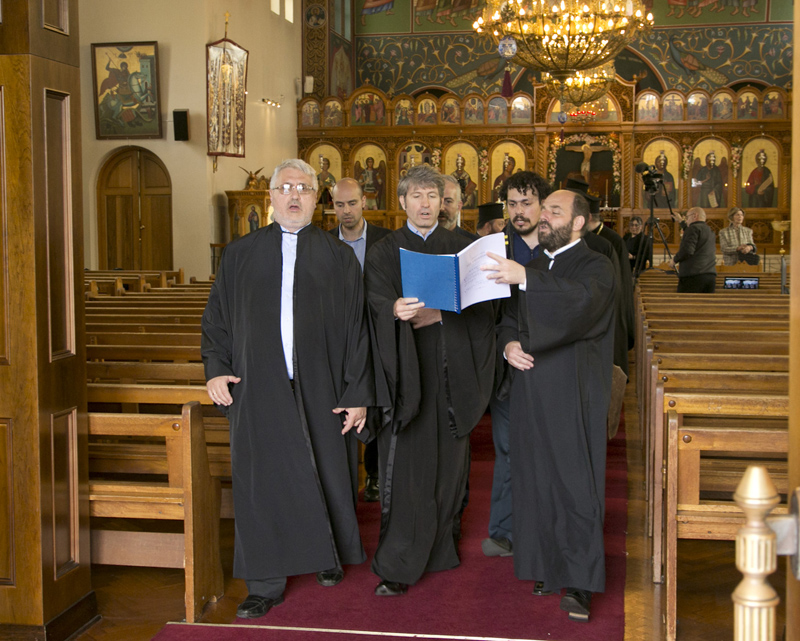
(135, 603)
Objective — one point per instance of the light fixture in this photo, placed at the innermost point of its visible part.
(565, 36)
(271, 103)
(582, 86)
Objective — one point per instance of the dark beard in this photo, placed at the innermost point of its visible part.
(553, 239)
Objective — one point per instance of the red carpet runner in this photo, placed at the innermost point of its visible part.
(479, 599)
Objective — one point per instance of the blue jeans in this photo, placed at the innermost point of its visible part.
(500, 515)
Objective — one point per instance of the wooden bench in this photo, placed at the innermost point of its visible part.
(189, 495)
(694, 428)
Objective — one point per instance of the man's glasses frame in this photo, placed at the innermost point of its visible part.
(301, 188)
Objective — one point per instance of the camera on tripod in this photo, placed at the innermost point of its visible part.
(650, 176)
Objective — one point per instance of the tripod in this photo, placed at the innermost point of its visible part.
(651, 186)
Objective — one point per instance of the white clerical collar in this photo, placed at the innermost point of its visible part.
(561, 249)
(419, 233)
(363, 235)
(287, 231)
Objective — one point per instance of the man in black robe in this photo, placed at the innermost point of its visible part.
(559, 334)
(439, 368)
(287, 358)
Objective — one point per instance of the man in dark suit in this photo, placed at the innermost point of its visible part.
(450, 212)
(696, 257)
(348, 203)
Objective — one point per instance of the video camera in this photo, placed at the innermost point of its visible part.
(650, 176)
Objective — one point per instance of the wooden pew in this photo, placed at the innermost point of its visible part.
(694, 428)
(189, 495)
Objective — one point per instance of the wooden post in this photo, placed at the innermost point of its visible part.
(754, 599)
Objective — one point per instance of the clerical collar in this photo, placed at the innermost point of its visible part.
(561, 250)
(598, 230)
(419, 233)
(363, 235)
(294, 233)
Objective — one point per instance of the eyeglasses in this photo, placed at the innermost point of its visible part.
(301, 188)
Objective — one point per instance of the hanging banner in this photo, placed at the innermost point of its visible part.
(226, 70)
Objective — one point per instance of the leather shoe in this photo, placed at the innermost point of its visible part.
(577, 603)
(497, 547)
(371, 491)
(538, 589)
(391, 588)
(255, 606)
(329, 578)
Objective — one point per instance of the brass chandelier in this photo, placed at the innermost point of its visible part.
(565, 36)
(582, 86)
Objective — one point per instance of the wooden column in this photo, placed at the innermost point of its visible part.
(45, 589)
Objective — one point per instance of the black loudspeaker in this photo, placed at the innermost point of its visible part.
(180, 120)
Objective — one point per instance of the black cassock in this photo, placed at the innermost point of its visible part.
(439, 381)
(294, 474)
(565, 320)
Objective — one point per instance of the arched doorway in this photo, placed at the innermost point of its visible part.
(134, 211)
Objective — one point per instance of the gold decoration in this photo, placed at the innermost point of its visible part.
(582, 86)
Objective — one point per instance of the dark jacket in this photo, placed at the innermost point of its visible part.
(374, 233)
(698, 250)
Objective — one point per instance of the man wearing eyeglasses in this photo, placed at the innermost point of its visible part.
(439, 368)
(287, 359)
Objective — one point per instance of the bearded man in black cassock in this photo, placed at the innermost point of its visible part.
(439, 367)
(558, 334)
(287, 358)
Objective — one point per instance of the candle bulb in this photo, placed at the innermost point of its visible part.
(606, 188)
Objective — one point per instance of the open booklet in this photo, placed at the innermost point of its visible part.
(452, 282)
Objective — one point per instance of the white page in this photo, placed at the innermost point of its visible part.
(475, 286)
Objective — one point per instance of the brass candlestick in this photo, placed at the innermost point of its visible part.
(781, 226)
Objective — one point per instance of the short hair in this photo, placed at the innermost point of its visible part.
(698, 211)
(421, 176)
(635, 219)
(449, 179)
(580, 206)
(525, 181)
(733, 211)
(294, 163)
(347, 181)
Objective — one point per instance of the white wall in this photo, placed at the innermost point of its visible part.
(182, 29)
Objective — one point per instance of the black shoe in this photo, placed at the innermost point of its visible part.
(577, 603)
(255, 606)
(371, 491)
(538, 589)
(329, 578)
(497, 547)
(390, 588)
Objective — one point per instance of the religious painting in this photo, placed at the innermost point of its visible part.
(404, 112)
(506, 158)
(226, 95)
(759, 174)
(252, 218)
(747, 106)
(381, 16)
(332, 115)
(369, 169)
(450, 113)
(591, 159)
(426, 112)
(647, 108)
(327, 160)
(309, 114)
(411, 155)
(722, 107)
(127, 102)
(341, 80)
(521, 110)
(461, 162)
(672, 107)
(473, 111)
(605, 109)
(665, 156)
(773, 105)
(315, 16)
(498, 111)
(368, 109)
(710, 174)
(697, 106)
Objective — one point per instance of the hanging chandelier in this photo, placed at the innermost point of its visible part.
(565, 36)
(582, 86)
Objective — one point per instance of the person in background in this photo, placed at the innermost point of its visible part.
(450, 213)
(696, 258)
(490, 219)
(635, 239)
(736, 240)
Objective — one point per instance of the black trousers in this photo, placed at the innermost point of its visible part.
(699, 284)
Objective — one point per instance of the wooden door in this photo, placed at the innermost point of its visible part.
(134, 208)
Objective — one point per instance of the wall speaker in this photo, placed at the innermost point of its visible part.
(180, 121)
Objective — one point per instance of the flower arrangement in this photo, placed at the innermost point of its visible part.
(687, 161)
(436, 157)
(611, 142)
(736, 159)
(483, 163)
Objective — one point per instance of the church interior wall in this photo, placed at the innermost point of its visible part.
(182, 29)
